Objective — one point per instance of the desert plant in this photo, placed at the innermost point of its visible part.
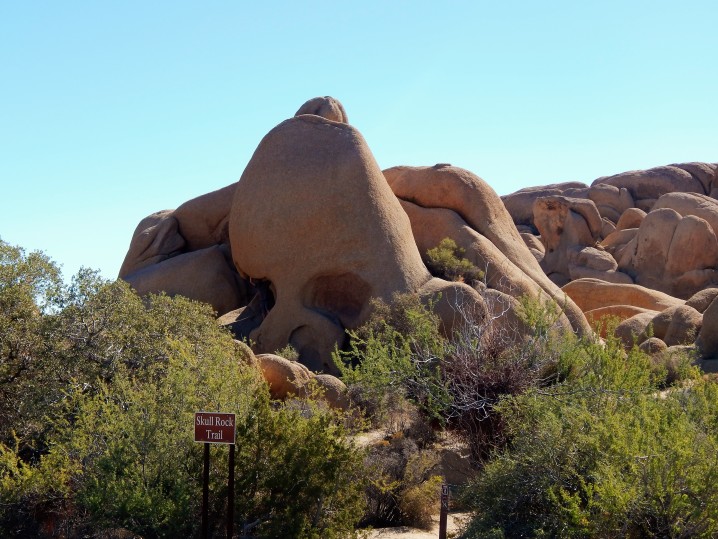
(447, 260)
(603, 454)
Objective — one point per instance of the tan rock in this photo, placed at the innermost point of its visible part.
(603, 316)
(444, 197)
(565, 224)
(591, 294)
(677, 325)
(203, 221)
(631, 218)
(611, 201)
(654, 182)
(674, 254)
(691, 204)
(617, 239)
(706, 173)
(333, 390)
(284, 377)
(608, 227)
(520, 204)
(653, 346)
(702, 299)
(314, 216)
(155, 239)
(633, 331)
(204, 275)
(326, 107)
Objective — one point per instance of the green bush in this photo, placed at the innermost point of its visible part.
(447, 261)
(103, 438)
(396, 355)
(603, 454)
(402, 489)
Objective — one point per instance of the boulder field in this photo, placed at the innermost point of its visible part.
(294, 252)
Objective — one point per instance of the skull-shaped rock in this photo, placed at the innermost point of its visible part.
(314, 218)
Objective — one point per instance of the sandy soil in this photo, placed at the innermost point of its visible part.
(454, 523)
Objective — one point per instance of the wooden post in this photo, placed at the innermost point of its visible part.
(205, 494)
(230, 494)
(444, 510)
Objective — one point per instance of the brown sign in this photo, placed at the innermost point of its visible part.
(214, 428)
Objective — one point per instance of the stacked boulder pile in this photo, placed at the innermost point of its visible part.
(293, 253)
(639, 247)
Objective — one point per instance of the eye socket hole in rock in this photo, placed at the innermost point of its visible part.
(343, 296)
(265, 289)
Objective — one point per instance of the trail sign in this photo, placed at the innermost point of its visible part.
(214, 428)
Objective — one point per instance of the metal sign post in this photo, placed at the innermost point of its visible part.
(216, 428)
(444, 510)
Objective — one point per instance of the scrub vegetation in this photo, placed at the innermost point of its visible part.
(569, 437)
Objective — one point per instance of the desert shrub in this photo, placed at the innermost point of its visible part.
(106, 441)
(402, 490)
(447, 260)
(603, 454)
(396, 355)
(482, 364)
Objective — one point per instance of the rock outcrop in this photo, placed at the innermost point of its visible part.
(293, 253)
(445, 201)
(314, 218)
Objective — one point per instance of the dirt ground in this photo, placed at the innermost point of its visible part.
(454, 523)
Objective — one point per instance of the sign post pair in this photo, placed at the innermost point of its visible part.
(216, 428)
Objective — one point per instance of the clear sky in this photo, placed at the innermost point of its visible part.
(110, 111)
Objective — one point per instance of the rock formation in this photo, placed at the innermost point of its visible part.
(293, 253)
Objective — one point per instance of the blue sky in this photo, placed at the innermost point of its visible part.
(110, 111)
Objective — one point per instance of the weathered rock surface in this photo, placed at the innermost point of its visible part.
(326, 107)
(653, 183)
(677, 255)
(521, 203)
(314, 216)
(185, 252)
(702, 299)
(611, 201)
(691, 204)
(591, 294)
(633, 331)
(677, 325)
(631, 218)
(204, 275)
(445, 201)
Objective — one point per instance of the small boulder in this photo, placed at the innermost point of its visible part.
(702, 299)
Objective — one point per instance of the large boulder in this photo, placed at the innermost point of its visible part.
(445, 201)
(631, 218)
(590, 294)
(205, 275)
(521, 203)
(653, 183)
(186, 252)
(611, 201)
(567, 226)
(314, 217)
(691, 204)
(677, 325)
(326, 107)
(677, 255)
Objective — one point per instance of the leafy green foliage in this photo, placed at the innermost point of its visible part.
(447, 260)
(402, 489)
(106, 440)
(603, 454)
(396, 354)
